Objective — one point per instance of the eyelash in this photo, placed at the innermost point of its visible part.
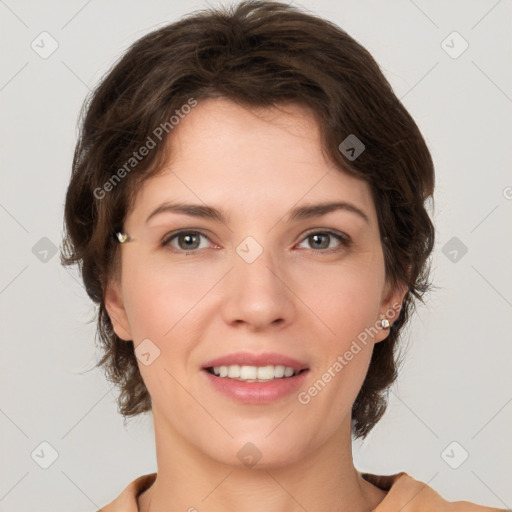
(345, 240)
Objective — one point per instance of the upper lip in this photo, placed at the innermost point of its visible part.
(251, 359)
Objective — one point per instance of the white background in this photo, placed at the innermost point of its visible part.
(456, 384)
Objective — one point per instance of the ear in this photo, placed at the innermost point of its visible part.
(390, 307)
(115, 308)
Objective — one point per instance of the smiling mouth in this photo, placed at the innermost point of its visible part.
(245, 373)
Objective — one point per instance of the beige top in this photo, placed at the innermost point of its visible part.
(405, 495)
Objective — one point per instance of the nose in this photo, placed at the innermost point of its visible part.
(257, 294)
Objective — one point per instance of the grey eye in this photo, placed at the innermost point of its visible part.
(187, 241)
(321, 240)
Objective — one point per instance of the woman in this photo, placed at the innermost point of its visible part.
(247, 207)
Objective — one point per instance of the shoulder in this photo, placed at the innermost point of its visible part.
(127, 500)
(409, 495)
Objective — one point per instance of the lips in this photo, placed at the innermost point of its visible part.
(250, 359)
(255, 391)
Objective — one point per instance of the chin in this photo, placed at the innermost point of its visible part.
(256, 451)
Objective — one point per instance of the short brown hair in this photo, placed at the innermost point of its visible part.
(258, 54)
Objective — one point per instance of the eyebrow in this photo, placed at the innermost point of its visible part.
(299, 213)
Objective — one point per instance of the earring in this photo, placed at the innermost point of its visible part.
(385, 323)
(122, 237)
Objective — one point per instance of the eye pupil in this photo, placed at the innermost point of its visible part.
(190, 240)
(318, 237)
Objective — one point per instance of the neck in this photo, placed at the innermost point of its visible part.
(325, 479)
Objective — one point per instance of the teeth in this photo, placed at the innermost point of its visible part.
(288, 372)
(234, 371)
(279, 371)
(248, 372)
(254, 373)
(265, 372)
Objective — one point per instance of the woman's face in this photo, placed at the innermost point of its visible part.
(263, 289)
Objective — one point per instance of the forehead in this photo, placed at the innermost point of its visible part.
(219, 117)
(229, 155)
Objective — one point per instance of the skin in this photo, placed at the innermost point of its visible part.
(254, 165)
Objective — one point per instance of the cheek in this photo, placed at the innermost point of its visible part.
(347, 302)
(162, 305)
(159, 299)
(346, 299)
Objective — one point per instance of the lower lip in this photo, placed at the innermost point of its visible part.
(256, 392)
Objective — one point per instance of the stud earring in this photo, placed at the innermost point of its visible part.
(122, 237)
(385, 323)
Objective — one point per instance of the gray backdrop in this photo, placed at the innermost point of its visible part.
(63, 444)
